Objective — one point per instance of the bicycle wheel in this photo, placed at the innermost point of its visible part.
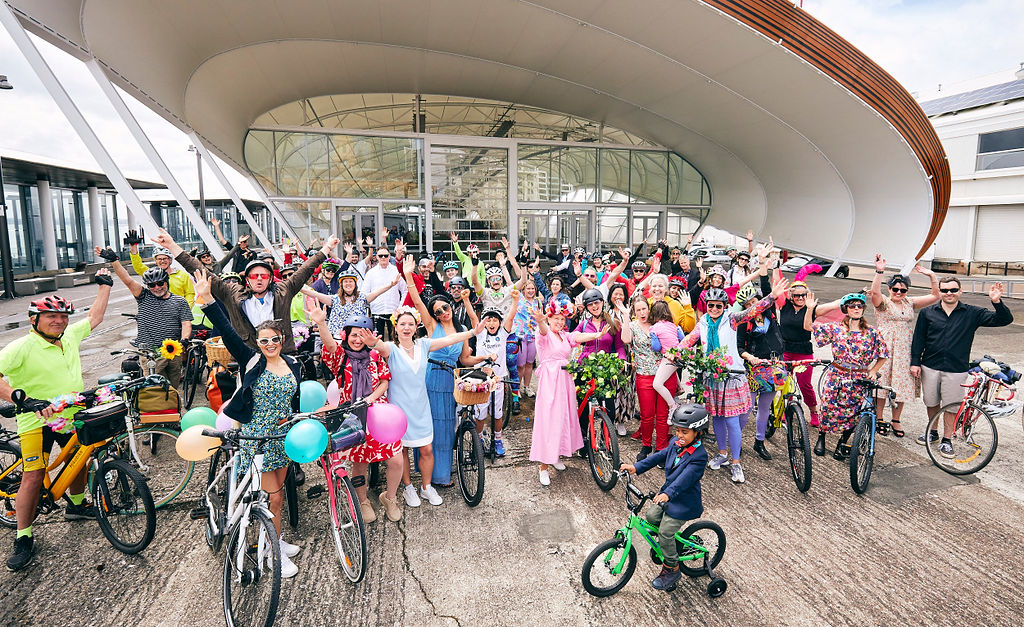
(598, 576)
(188, 383)
(195, 377)
(469, 453)
(166, 473)
(974, 439)
(10, 456)
(506, 405)
(603, 452)
(252, 586)
(349, 529)
(799, 444)
(124, 506)
(291, 494)
(769, 431)
(710, 538)
(219, 497)
(862, 453)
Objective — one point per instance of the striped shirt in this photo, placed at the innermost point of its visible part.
(160, 319)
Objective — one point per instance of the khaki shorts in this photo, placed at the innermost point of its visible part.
(940, 388)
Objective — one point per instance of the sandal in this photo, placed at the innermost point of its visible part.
(896, 431)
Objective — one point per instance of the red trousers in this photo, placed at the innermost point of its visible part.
(805, 382)
(653, 410)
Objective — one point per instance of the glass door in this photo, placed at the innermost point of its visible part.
(645, 225)
(574, 227)
(356, 223)
(405, 222)
(540, 227)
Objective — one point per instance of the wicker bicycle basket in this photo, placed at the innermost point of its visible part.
(465, 397)
(217, 352)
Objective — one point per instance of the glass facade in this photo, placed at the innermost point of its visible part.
(356, 185)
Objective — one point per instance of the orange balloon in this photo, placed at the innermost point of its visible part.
(193, 446)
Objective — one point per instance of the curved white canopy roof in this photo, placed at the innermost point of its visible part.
(787, 150)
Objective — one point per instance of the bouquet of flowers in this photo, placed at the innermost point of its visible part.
(713, 365)
(607, 369)
(300, 333)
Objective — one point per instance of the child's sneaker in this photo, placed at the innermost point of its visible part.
(499, 448)
(718, 461)
(667, 579)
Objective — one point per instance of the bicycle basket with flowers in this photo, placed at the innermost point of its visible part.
(702, 368)
(608, 369)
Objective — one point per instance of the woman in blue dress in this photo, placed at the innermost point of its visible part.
(439, 321)
(407, 359)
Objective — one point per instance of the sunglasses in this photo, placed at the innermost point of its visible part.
(441, 309)
(800, 295)
(156, 284)
(384, 255)
(325, 271)
(715, 306)
(257, 277)
(855, 306)
(267, 341)
(952, 290)
(898, 290)
(285, 277)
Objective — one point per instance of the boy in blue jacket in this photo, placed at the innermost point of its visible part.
(679, 498)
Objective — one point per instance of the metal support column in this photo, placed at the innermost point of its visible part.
(428, 197)
(96, 218)
(199, 222)
(6, 258)
(74, 116)
(253, 224)
(512, 225)
(46, 223)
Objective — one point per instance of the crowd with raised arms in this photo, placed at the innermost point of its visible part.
(385, 319)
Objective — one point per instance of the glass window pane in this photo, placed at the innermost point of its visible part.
(578, 174)
(648, 177)
(259, 158)
(614, 176)
(995, 161)
(470, 195)
(1010, 139)
(405, 222)
(538, 173)
(612, 227)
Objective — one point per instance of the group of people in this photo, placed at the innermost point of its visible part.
(382, 316)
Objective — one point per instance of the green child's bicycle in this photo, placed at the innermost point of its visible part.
(610, 565)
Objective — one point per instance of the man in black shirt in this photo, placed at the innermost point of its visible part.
(941, 349)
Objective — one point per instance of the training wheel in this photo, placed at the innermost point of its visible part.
(716, 587)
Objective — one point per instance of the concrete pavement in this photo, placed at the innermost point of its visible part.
(920, 547)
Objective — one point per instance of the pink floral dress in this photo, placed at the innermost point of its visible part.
(854, 352)
(894, 323)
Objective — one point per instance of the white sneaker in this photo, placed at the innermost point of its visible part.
(558, 466)
(620, 428)
(718, 461)
(288, 567)
(737, 473)
(411, 498)
(545, 478)
(431, 495)
(289, 549)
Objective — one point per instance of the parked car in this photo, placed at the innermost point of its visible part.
(796, 262)
(711, 254)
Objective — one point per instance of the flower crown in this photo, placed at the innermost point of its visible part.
(563, 309)
(402, 310)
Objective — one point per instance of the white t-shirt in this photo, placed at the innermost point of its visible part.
(487, 344)
(500, 299)
(377, 277)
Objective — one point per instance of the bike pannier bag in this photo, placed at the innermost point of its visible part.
(157, 405)
(220, 386)
(101, 422)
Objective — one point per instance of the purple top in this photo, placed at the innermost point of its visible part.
(608, 343)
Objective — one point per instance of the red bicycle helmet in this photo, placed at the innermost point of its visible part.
(53, 304)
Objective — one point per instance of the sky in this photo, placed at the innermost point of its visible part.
(960, 44)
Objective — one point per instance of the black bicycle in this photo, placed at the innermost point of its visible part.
(196, 368)
(469, 447)
(862, 448)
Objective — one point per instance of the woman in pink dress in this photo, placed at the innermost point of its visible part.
(556, 429)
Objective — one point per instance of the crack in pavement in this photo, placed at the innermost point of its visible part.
(423, 590)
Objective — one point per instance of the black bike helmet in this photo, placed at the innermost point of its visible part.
(690, 416)
(716, 294)
(155, 275)
(592, 295)
(457, 281)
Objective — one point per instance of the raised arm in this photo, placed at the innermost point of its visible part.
(137, 265)
(414, 295)
(810, 304)
(133, 286)
(317, 314)
(511, 260)
(510, 316)
(326, 299)
(614, 274)
(455, 338)
(99, 306)
(235, 345)
(876, 283)
(461, 256)
(372, 296)
(374, 342)
(930, 299)
(220, 235)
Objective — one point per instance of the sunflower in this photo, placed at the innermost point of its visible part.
(171, 349)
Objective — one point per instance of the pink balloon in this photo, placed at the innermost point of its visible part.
(224, 423)
(386, 423)
(333, 393)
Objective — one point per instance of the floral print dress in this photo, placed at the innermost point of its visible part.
(272, 401)
(894, 323)
(371, 450)
(853, 351)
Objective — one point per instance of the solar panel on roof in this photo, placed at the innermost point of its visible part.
(976, 98)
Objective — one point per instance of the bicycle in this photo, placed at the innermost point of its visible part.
(973, 433)
(346, 518)
(239, 509)
(601, 441)
(700, 544)
(862, 447)
(193, 373)
(469, 448)
(167, 474)
(121, 498)
(788, 412)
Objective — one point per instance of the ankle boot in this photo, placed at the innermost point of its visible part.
(819, 446)
(761, 450)
(644, 452)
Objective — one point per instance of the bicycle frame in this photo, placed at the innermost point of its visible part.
(587, 405)
(72, 460)
(237, 502)
(334, 469)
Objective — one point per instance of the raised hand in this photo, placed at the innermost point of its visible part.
(348, 249)
(924, 271)
(202, 279)
(479, 328)
(452, 236)
(318, 312)
(407, 265)
(330, 245)
(504, 243)
(996, 292)
(810, 301)
(500, 257)
(624, 253)
(464, 295)
(214, 221)
(689, 238)
(103, 277)
(779, 286)
(163, 238)
(750, 234)
(879, 263)
(395, 280)
(536, 246)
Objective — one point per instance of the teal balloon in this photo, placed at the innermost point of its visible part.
(199, 416)
(312, 396)
(306, 441)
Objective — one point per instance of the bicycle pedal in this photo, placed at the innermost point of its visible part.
(198, 513)
(315, 492)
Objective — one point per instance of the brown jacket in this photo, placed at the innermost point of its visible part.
(232, 296)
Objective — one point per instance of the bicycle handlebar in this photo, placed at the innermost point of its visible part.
(22, 403)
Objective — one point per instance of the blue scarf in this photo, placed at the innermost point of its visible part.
(713, 343)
